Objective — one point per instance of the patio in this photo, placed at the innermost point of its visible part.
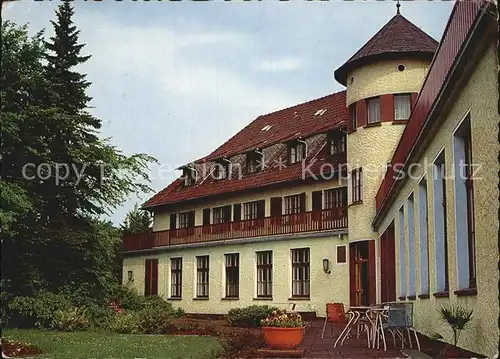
(353, 347)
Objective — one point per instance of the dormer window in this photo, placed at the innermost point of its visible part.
(221, 170)
(254, 162)
(296, 151)
(189, 175)
(337, 143)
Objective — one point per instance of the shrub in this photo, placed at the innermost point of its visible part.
(249, 317)
(155, 320)
(128, 299)
(37, 311)
(124, 323)
(179, 312)
(71, 320)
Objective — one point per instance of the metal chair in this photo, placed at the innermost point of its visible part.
(400, 319)
(335, 314)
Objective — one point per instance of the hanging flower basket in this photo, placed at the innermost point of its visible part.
(283, 330)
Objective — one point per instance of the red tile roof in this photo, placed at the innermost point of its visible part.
(291, 123)
(398, 37)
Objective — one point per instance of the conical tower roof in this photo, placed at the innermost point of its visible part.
(399, 38)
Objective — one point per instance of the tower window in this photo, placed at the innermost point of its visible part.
(401, 68)
(374, 110)
(353, 117)
(402, 107)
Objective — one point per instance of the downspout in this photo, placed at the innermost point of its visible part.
(305, 144)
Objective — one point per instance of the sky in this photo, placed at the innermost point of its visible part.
(177, 79)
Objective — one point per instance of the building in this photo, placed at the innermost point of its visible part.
(350, 197)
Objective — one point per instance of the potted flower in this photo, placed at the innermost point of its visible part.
(283, 330)
(458, 318)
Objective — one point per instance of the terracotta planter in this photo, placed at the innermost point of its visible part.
(283, 338)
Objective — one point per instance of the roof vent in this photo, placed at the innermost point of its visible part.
(320, 112)
(266, 128)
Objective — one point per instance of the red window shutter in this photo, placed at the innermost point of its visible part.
(387, 108)
(414, 96)
(362, 113)
(147, 278)
(317, 200)
(261, 209)
(191, 219)
(237, 212)
(372, 295)
(302, 197)
(173, 221)
(206, 216)
(276, 206)
(154, 277)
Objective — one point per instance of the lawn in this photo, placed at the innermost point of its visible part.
(58, 345)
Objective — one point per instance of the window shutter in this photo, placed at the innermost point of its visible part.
(276, 206)
(302, 197)
(147, 278)
(316, 201)
(154, 277)
(191, 217)
(261, 209)
(237, 212)
(206, 216)
(173, 221)
(387, 107)
(226, 214)
(362, 113)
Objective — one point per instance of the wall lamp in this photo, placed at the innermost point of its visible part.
(130, 275)
(326, 266)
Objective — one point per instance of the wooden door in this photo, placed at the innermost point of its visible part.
(362, 273)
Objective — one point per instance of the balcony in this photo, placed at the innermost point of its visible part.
(306, 222)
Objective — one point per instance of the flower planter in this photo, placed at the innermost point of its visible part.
(283, 338)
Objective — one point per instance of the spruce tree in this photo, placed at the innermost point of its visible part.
(64, 54)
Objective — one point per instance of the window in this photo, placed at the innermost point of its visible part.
(341, 255)
(337, 143)
(176, 277)
(402, 253)
(297, 152)
(253, 210)
(424, 240)
(151, 277)
(265, 274)
(464, 207)
(353, 117)
(222, 214)
(374, 110)
(402, 107)
(295, 204)
(186, 219)
(336, 198)
(357, 185)
(202, 263)
(222, 170)
(411, 248)
(440, 224)
(189, 175)
(254, 162)
(232, 275)
(300, 273)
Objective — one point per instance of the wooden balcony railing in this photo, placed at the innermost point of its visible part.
(316, 221)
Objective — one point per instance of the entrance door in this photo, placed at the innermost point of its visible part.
(362, 273)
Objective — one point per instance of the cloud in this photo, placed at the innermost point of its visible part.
(279, 65)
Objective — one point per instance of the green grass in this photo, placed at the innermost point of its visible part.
(59, 345)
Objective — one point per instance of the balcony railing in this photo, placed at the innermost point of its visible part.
(315, 221)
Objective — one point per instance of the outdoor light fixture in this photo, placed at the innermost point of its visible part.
(130, 276)
(326, 266)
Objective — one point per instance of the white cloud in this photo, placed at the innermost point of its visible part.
(279, 65)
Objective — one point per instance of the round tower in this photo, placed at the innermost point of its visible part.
(383, 80)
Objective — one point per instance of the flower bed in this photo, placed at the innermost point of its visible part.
(13, 349)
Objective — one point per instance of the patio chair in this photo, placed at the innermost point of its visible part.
(335, 314)
(400, 319)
